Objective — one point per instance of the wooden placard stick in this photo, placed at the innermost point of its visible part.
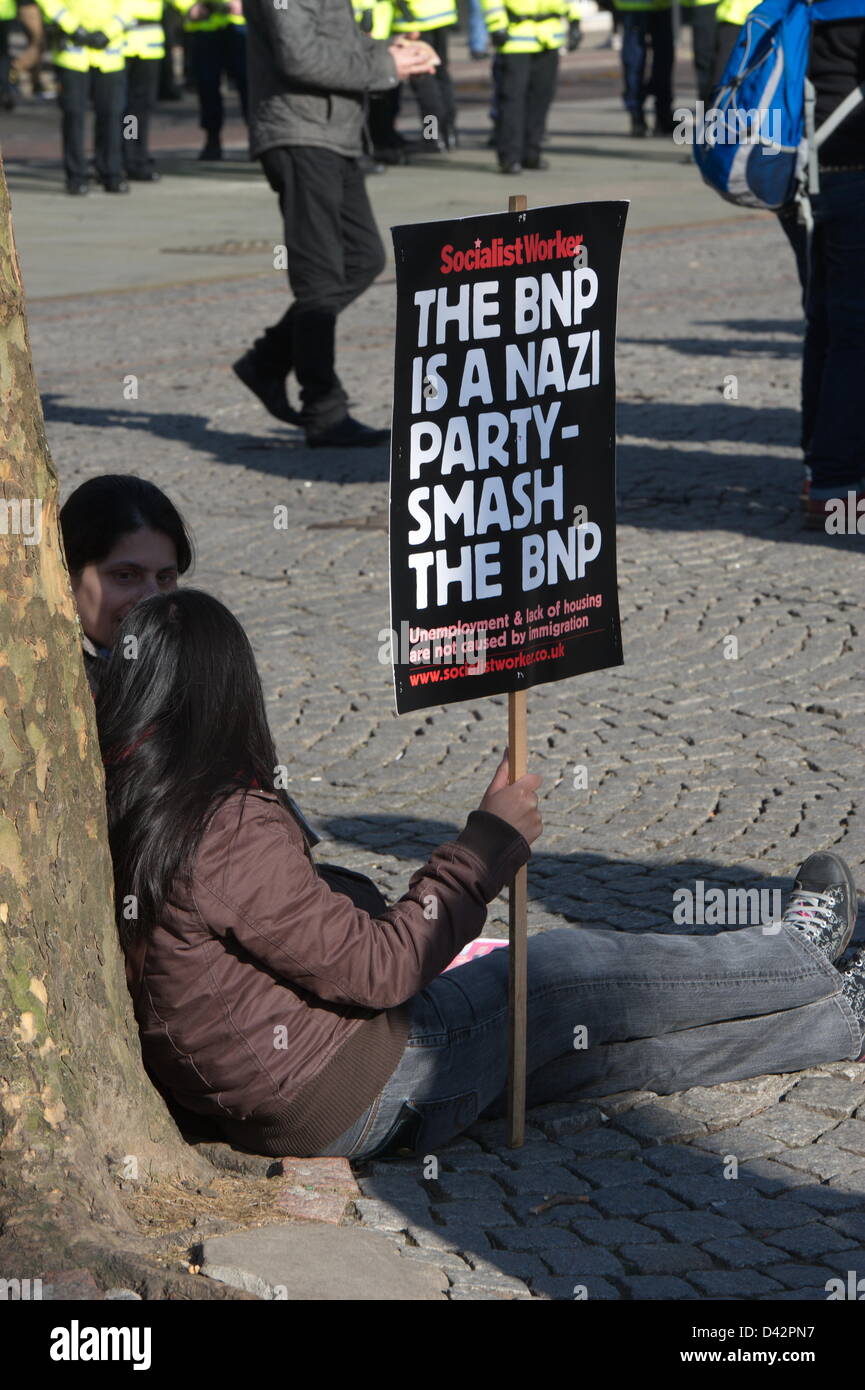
(517, 906)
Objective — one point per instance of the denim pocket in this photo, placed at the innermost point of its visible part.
(423, 1126)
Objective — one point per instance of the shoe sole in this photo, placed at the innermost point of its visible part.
(852, 904)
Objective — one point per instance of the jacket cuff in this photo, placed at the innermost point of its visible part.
(500, 848)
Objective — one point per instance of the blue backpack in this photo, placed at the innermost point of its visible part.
(757, 145)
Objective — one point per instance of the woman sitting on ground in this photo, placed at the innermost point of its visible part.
(306, 1024)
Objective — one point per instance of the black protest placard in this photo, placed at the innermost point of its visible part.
(502, 498)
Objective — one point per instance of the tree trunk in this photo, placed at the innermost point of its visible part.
(77, 1111)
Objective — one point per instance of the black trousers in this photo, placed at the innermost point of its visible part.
(434, 90)
(107, 91)
(334, 253)
(703, 38)
(142, 86)
(525, 85)
(212, 53)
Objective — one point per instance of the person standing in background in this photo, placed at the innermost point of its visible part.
(216, 31)
(434, 90)
(386, 144)
(527, 36)
(311, 68)
(87, 41)
(145, 50)
(645, 24)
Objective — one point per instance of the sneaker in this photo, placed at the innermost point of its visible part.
(212, 150)
(143, 175)
(77, 187)
(115, 185)
(822, 502)
(639, 127)
(269, 387)
(824, 903)
(513, 168)
(852, 972)
(537, 163)
(348, 434)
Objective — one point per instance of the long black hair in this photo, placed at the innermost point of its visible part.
(182, 724)
(100, 511)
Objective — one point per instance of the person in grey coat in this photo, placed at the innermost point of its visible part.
(310, 70)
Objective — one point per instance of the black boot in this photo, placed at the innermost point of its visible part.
(267, 385)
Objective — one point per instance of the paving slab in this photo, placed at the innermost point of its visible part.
(305, 1263)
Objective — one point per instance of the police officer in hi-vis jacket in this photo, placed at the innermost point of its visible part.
(527, 36)
(216, 31)
(430, 21)
(87, 43)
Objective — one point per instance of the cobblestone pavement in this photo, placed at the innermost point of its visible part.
(700, 766)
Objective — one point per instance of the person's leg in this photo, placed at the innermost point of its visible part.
(635, 29)
(478, 37)
(74, 96)
(430, 99)
(703, 34)
(109, 89)
(836, 306)
(312, 193)
(439, 40)
(660, 84)
(363, 252)
(514, 74)
(235, 64)
(703, 1009)
(541, 89)
(205, 56)
(142, 87)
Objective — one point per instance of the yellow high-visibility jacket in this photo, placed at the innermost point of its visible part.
(735, 11)
(375, 17)
(212, 21)
(532, 25)
(113, 17)
(418, 15)
(146, 39)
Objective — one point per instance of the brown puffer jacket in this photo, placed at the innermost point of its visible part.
(275, 1005)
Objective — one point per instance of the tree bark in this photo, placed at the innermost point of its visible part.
(77, 1110)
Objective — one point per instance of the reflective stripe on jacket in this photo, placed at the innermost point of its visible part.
(203, 26)
(409, 16)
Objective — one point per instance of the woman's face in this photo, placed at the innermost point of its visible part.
(141, 564)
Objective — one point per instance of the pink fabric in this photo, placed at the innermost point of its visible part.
(481, 946)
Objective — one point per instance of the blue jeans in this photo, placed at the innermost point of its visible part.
(638, 27)
(478, 38)
(833, 362)
(661, 1013)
